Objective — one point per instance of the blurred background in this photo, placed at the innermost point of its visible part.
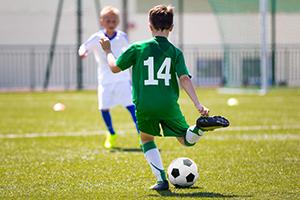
(224, 41)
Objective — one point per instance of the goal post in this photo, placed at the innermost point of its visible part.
(263, 8)
(244, 29)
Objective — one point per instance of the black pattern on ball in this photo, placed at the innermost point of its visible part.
(190, 178)
(175, 172)
(187, 162)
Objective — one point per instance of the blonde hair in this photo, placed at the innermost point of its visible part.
(109, 10)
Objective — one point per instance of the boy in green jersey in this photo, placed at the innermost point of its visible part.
(156, 64)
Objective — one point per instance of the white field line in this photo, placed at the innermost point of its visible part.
(248, 136)
(255, 137)
(56, 134)
(260, 128)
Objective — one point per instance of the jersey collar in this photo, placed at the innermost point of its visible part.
(160, 38)
(112, 37)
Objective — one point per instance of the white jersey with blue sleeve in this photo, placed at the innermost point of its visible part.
(119, 43)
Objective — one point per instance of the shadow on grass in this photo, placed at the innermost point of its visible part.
(120, 149)
(132, 150)
(169, 193)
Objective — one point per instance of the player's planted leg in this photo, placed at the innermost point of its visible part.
(153, 158)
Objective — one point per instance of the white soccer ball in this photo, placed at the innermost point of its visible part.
(183, 172)
(232, 102)
(58, 107)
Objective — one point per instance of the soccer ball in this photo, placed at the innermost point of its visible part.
(183, 172)
(58, 107)
(232, 102)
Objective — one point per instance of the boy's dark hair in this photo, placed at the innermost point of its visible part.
(161, 17)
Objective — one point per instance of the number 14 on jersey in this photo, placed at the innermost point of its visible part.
(166, 76)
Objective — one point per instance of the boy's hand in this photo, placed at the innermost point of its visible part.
(83, 55)
(105, 44)
(202, 109)
(82, 52)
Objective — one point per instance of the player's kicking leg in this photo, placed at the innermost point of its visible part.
(153, 158)
(203, 123)
(211, 123)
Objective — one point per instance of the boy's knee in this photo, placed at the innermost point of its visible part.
(146, 138)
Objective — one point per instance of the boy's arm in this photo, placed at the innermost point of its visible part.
(187, 85)
(111, 60)
(88, 45)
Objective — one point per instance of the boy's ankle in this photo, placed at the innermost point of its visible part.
(196, 130)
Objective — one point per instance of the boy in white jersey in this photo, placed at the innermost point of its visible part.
(113, 89)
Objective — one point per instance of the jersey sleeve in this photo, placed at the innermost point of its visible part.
(125, 41)
(125, 37)
(127, 58)
(89, 45)
(180, 66)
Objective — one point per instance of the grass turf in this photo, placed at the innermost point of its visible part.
(249, 161)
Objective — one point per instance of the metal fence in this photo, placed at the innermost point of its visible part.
(239, 65)
(24, 67)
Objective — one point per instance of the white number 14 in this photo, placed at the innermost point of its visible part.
(160, 75)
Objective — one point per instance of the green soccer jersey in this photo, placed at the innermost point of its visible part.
(156, 64)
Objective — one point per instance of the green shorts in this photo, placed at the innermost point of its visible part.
(170, 128)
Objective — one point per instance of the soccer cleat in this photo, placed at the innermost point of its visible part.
(211, 123)
(163, 185)
(110, 141)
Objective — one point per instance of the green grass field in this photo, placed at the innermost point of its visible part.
(59, 155)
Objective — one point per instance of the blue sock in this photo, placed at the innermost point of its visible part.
(131, 109)
(107, 120)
